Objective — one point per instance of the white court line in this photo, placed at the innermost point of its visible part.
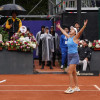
(45, 90)
(41, 90)
(43, 85)
(97, 87)
(2, 81)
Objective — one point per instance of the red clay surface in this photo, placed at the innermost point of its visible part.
(47, 87)
(56, 68)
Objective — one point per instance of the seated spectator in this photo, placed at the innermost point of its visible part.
(84, 54)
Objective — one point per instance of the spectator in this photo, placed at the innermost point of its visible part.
(64, 48)
(84, 54)
(47, 47)
(39, 42)
(13, 24)
(56, 43)
(77, 26)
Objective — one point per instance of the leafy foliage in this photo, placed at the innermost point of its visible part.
(4, 34)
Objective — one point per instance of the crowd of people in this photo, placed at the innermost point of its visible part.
(49, 43)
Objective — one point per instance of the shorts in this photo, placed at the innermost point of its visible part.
(73, 58)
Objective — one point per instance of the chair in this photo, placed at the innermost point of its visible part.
(80, 66)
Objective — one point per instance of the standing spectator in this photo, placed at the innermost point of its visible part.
(56, 43)
(64, 48)
(77, 26)
(84, 54)
(47, 47)
(13, 24)
(39, 42)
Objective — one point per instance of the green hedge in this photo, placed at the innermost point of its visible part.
(4, 34)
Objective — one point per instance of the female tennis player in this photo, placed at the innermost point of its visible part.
(73, 57)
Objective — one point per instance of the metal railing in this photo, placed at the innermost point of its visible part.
(88, 3)
(73, 4)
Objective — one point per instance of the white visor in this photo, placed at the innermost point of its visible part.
(74, 29)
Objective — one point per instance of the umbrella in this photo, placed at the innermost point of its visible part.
(7, 9)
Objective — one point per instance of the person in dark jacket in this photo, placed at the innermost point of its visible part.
(56, 44)
(77, 26)
(13, 24)
(84, 54)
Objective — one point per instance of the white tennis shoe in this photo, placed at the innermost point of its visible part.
(76, 89)
(69, 90)
(62, 66)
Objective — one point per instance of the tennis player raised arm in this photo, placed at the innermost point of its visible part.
(77, 36)
(73, 57)
(59, 27)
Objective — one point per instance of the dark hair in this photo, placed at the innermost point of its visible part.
(66, 27)
(42, 26)
(14, 12)
(86, 40)
(77, 23)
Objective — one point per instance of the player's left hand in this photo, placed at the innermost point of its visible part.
(85, 22)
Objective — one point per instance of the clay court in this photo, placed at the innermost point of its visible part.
(47, 87)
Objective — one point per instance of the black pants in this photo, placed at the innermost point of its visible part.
(40, 54)
(54, 58)
(43, 63)
(40, 58)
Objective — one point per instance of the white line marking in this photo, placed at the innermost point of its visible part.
(97, 87)
(89, 90)
(43, 85)
(2, 81)
(42, 90)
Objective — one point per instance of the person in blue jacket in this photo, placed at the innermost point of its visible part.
(64, 48)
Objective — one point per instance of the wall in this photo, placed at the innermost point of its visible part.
(92, 29)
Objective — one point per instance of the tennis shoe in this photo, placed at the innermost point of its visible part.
(76, 89)
(69, 90)
(62, 66)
